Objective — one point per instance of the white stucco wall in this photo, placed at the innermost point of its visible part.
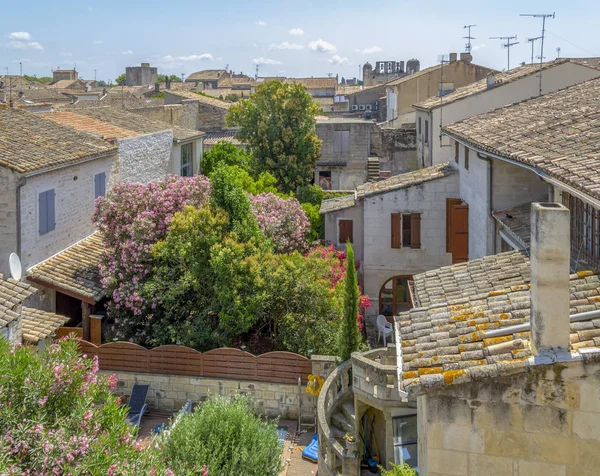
(558, 77)
(74, 205)
(332, 229)
(381, 261)
(145, 158)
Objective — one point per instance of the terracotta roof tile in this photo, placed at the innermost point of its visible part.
(338, 203)
(12, 293)
(85, 123)
(74, 270)
(29, 142)
(558, 134)
(212, 138)
(206, 75)
(202, 98)
(39, 324)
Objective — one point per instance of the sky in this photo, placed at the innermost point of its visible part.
(287, 38)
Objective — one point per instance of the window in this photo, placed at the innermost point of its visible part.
(341, 141)
(405, 440)
(426, 139)
(325, 179)
(389, 67)
(382, 67)
(406, 230)
(456, 151)
(419, 126)
(394, 296)
(186, 161)
(345, 231)
(46, 212)
(99, 185)
(467, 158)
(585, 230)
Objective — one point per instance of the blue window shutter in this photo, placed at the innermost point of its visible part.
(51, 212)
(99, 185)
(96, 186)
(43, 213)
(103, 188)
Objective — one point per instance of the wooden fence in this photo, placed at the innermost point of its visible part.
(274, 367)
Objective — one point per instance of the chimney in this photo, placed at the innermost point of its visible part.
(156, 87)
(491, 79)
(466, 57)
(453, 57)
(550, 260)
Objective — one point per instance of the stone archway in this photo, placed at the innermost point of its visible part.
(394, 296)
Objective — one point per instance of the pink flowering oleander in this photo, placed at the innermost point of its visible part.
(283, 221)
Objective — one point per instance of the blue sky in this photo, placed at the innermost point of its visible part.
(292, 38)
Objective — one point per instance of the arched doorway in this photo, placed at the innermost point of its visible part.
(394, 296)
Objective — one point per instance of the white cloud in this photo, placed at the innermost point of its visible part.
(285, 46)
(98, 42)
(204, 56)
(127, 52)
(337, 60)
(296, 32)
(478, 47)
(65, 53)
(369, 51)
(322, 46)
(261, 23)
(262, 60)
(19, 35)
(24, 45)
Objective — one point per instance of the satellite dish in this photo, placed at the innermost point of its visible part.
(16, 270)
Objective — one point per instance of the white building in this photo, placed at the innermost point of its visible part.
(498, 90)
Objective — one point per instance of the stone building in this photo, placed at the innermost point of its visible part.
(208, 78)
(200, 111)
(143, 75)
(497, 90)
(62, 74)
(383, 72)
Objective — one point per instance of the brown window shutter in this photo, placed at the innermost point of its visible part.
(415, 230)
(460, 233)
(345, 231)
(450, 202)
(456, 151)
(467, 158)
(396, 230)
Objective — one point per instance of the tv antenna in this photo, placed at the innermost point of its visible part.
(257, 71)
(506, 45)
(532, 41)
(558, 52)
(330, 74)
(543, 16)
(442, 59)
(182, 76)
(468, 46)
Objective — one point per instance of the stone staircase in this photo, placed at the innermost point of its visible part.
(373, 171)
(343, 419)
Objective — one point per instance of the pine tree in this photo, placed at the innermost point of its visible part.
(349, 338)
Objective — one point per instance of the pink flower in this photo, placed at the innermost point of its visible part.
(42, 401)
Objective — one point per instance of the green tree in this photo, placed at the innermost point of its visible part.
(228, 437)
(317, 222)
(232, 97)
(349, 336)
(175, 79)
(278, 123)
(120, 80)
(225, 153)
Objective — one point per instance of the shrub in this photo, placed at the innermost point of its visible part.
(317, 222)
(58, 416)
(398, 470)
(228, 437)
(227, 154)
(349, 337)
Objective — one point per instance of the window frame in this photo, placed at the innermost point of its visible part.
(339, 222)
(403, 444)
(343, 143)
(466, 158)
(408, 234)
(103, 180)
(456, 152)
(426, 135)
(49, 228)
(188, 167)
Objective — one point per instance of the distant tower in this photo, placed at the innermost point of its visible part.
(367, 74)
(413, 65)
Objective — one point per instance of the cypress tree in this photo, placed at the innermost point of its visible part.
(349, 337)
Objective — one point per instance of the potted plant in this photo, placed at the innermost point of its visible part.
(351, 444)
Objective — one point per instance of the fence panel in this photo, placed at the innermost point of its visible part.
(123, 356)
(174, 359)
(282, 367)
(229, 363)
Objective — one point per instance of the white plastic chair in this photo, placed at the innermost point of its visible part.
(384, 327)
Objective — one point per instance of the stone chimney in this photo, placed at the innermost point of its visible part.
(491, 79)
(466, 57)
(550, 260)
(453, 57)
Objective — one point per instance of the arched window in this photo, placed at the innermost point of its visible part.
(394, 296)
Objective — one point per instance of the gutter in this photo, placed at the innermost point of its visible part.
(490, 193)
(22, 182)
(543, 175)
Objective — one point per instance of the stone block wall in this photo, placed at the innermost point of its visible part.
(170, 392)
(396, 149)
(144, 158)
(8, 217)
(542, 423)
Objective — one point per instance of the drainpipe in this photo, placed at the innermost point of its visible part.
(490, 194)
(20, 185)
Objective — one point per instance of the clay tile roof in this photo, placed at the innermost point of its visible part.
(37, 324)
(12, 293)
(74, 271)
(212, 138)
(338, 203)
(138, 123)
(206, 75)
(518, 221)
(558, 133)
(29, 143)
(444, 339)
(502, 78)
(202, 98)
(82, 122)
(406, 180)
(314, 83)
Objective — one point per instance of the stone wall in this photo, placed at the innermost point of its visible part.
(8, 217)
(396, 149)
(74, 205)
(171, 114)
(144, 158)
(170, 392)
(542, 423)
